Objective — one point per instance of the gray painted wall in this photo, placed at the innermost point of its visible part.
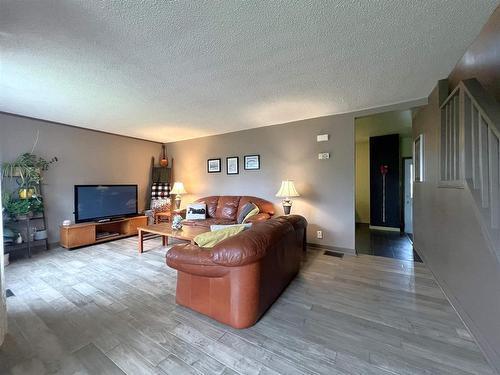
(85, 157)
(287, 151)
(449, 238)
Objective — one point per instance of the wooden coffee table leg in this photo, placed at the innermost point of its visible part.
(164, 240)
(141, 241)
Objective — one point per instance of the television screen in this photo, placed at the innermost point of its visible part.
(94, 202)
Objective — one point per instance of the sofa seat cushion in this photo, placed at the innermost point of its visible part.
(215, 227)
(212, 238)
(207, 222)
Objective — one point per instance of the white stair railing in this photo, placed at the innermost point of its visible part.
(470, 152)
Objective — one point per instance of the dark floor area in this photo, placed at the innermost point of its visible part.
(384, 243)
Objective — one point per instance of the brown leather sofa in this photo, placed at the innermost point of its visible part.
(224, 209)
(236, 281)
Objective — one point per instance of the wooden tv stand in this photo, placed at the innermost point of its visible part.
(85, 234)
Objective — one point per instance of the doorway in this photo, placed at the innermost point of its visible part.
(384, 196)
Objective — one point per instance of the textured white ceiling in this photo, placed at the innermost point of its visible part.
(171, 70)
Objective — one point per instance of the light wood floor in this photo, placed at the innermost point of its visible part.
(106, 309)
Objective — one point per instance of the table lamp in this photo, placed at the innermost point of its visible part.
(286, 191)
(178, 190)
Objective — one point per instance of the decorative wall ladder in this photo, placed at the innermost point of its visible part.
(470, 152)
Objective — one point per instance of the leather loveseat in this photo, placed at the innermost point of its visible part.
(224, 209)
(238, 279)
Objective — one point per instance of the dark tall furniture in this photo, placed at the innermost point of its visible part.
(385, 205)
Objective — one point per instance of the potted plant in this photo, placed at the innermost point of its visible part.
(17, 209)
(36, 204)
(27, 170)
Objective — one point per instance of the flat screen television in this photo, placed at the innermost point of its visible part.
(103, 202)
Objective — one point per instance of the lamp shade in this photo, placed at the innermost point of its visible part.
(178, 188)
(287, 190)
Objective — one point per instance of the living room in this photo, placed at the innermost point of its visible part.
(254, 104)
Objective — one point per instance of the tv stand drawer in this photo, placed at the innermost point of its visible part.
(77, 236)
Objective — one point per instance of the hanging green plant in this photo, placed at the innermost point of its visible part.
(27, 172)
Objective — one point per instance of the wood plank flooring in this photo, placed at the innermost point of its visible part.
(106, 309)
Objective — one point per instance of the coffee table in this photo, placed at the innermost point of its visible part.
(165, 230)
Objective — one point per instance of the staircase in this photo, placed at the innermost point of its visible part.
(470, 152)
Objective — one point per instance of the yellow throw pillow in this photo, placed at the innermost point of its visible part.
(255, 211)
(210, 239)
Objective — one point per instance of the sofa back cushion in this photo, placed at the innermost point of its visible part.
(222, 207)
(211, 203)
(227, 207)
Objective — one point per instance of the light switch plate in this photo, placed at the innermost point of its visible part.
(323, 155)
(322, 138)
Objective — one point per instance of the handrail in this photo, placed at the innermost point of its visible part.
(489, 107)
(451, 95)
(483, 101)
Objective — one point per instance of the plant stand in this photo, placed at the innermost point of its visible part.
(28, 223)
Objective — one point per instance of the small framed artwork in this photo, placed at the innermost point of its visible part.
(418, 157)
(232, 165)
(214, 165)
(252, 162)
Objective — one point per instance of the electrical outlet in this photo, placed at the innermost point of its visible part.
(323, 155)
(322, 138)
(319, 234)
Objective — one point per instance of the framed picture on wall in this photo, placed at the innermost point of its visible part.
(232, 165)
(214, 165)
(418, 157)
(252, 162)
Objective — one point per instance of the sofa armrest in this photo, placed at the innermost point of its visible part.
(258, 217)
(194, 260)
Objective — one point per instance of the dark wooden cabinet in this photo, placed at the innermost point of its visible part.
(385, 200)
